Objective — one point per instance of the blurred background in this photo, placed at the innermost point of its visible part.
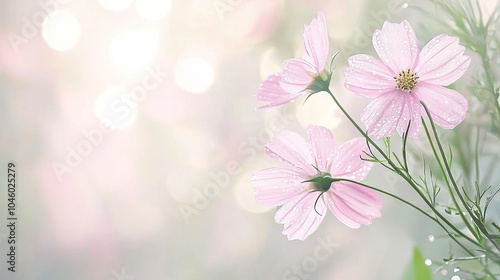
(133, 130)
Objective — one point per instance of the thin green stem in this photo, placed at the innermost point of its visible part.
(393, 196)
(406, 178)
(482, 51)
(451, 235)
(405, 140)
(463, 156)
(476, 156)
(357, 126)
(445, 176)
(486, 270)
(454, 183)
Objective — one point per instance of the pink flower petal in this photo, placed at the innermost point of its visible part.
(353, 206)
(447, 107)
(347, 162)
(396, 45)
(382, 115)
(411, 111)
(392, 111)
(297, 74)
(323, 146)
(271, 90)
(342, 211)
(368, 76)
(299, 217)
(356, 204)
(442, 61)
(316, 41)
(276, 186)
(293, 151)
(358, 194)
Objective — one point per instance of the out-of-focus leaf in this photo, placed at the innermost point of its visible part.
(416, 269)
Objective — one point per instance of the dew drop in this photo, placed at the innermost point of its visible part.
(455, 277)
(456, 269)
(431, 238)
(428, 262)
(405, 5)
(444, 272)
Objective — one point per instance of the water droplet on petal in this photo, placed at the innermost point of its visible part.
(431, 238)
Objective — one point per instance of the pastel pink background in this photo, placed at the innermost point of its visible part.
(116, 208)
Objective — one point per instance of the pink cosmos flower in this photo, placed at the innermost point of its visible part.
(404, 76)
(303, 74)
(306, 186)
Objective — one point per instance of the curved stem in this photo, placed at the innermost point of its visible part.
(450, 190)
(483, 53)
(393, 196)
(454, 183)
(357, 126)
(406, 178)
(414, 207)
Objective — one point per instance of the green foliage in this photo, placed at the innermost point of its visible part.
(417, 269)
(480, 35)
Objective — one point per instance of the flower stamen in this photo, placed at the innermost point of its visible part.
(406, 80)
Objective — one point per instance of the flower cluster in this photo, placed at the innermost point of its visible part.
(319, 175)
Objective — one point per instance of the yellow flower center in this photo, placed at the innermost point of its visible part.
(406, 80)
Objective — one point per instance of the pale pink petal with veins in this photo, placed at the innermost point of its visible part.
(299, 73)
(447, 107)
(416, 77)
(304, 204)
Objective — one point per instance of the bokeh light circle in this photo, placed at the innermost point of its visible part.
(61, 30)
(245, 196)
(318, 110)
(194, 74)
(131, 52)
(115, 5)
(153, 9)
(115, 108)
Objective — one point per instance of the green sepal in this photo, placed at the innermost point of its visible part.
(321, 82)
(322, 181)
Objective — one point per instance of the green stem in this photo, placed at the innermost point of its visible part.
(450, 190)
(455, 186)
(482, 51)
(406, 178)
(393, 196)
(463, 157)
(452, 236)
(476, 155)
